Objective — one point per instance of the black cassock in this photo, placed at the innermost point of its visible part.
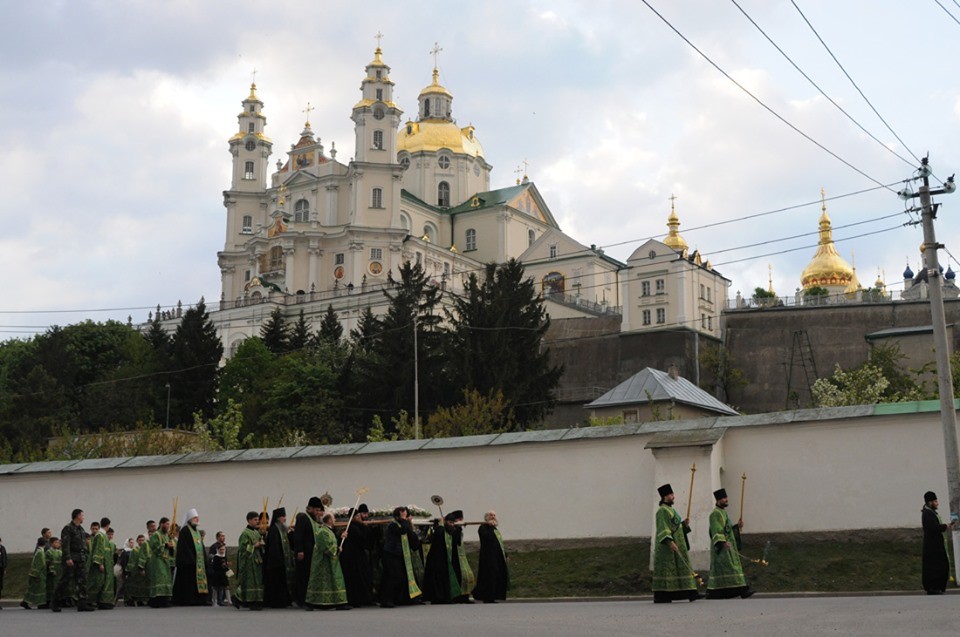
(355, 563)
(493, 578)
(436, 572)
(276, 593)
(394, 587)
(301, 541)
(185, 583)
(936, 566)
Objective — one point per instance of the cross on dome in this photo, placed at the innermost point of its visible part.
(309, 109)
(378, 37)
(435, 52)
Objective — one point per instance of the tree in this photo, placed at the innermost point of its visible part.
(303, 397)
(245, 381)
(815, 295)
(274, 333)
(364, 334)
(197, 351)
(330, 328)
(386, 375)
(495, 345)
(721, 371)
(300, 334)
(763, 297)
(476, 414)
(880, 379)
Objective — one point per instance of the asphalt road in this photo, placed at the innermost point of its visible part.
(779, 617)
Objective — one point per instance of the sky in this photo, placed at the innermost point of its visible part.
(116, 114)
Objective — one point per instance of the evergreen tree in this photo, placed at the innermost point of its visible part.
(330, 328)
(157, 336)
(300, 334)
(366, 331)
(387, 373)
(197, 351)
(495, 345)
(274, 333)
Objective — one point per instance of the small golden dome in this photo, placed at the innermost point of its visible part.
(673, 238)
(434, 88)
(377, 58)
(434, 134)
(828, 268)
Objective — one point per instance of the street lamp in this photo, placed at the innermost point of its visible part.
(168, 405)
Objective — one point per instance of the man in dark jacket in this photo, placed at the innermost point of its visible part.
(3, 565)
(936, 564)
(74, 540)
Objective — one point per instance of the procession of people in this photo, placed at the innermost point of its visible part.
(319, 562)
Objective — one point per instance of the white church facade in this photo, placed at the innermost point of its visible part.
(311, 231)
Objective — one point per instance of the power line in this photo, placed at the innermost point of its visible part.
(759, 101)
(822, 92)
(945, 10)
(869, 103)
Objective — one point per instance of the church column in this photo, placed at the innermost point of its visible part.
(681, 297)
(288, 252)
(226, 272)
(315, 253)
(331, 219)
(255, 262)
(356, 263)
(504, 219)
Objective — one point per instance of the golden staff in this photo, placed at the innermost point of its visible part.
(693, 471)
(743, 486)
(351, 513)
(293, 522)
(173, 522)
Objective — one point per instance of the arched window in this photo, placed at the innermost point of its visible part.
(248, 170)
(405, 221)
(247, 224)
(443, 195)
(531, 237)
(276, 258)
(426, 108)
(376, 198)
(471, 242)
(430, 232)
(301, 211)
(378, 139)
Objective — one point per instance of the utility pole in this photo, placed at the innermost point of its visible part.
(416, 376)
(168, 405)
(948, 414)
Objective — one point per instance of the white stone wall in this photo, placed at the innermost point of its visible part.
(825, 473)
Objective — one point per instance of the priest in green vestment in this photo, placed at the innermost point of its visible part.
(100, 578)
(726, 572)
(135, 591)
(54, 566)
(326, 588)
(673, 576)
(36, 594)
(154, 562)
(249, 591)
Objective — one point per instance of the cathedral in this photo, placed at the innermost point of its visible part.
(310, 231)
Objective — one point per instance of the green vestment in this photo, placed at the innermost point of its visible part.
(101, 586)
(37, 582)
(671, 571)
(54, 568)
(250, 567)
(326, 587)
(725, 568)
(154, 558)
(201, 570)
(467, 581)
(136, 588)
(289, 562)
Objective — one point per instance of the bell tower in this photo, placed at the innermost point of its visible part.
(250, 147)
(376, 116)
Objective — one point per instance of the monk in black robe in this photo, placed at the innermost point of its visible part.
(400, 542)
(446, 555)
(278, 563)
(936, 564)
(190, 586)
(355, 560)
(493, 576)
(302, 542)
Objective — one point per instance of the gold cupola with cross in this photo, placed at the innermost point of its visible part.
(376, 116)
(673, 238)
(250, 147)
(827, 269)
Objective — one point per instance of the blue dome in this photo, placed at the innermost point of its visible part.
(908, 273)
(950, 275)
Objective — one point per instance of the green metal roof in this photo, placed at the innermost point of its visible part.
(490, 198)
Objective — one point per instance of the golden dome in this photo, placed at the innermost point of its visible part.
(435, 134)
(377, 58)
(673, 238)
(434, 88)
(828, 268)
